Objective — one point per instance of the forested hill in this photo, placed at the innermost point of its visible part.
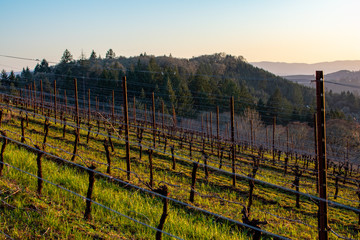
(190, 85)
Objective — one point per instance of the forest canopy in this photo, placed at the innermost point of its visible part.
(189, 85)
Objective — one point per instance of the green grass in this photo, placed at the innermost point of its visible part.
(59, 214)
(181, 222)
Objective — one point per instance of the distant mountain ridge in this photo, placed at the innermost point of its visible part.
(285, 69)
(344, 80)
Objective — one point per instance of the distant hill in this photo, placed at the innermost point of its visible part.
(190, 86)
(285, 69)
(344, 81)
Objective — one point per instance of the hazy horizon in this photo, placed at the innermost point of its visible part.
(278, 31)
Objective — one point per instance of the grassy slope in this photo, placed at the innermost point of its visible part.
(59, 214)
(266, 199)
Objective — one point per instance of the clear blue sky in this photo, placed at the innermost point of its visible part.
(274, 30)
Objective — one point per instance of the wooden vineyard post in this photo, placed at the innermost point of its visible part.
(163, 190)
(126, 119)
(42, 98)
(113, 106)
(76, 103)
(173, 157)
(39, 170)
(207, 126)
(31, 100)
(211, 134)
(46, 130)
(77, 130)
(89, 108)
(3, 133)
(64, 127)
(232, 140)
(87, 214)
(251, 137)
(153, 119)
(145, 115)
(316, 153)
(273, 139)
(162, 116)
(206, 166)
(22, 130)
(134, 111)
(35, 111)
(151, 182)
(55, 100)
(66, 107)
(202, 123)
(321, 146)
(84, 106)
(193, 181)
(217, 132)
(107, 152)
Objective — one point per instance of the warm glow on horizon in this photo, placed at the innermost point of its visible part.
(281, 31)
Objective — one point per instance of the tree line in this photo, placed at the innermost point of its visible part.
(190, 86)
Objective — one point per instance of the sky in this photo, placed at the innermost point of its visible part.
(306, 31)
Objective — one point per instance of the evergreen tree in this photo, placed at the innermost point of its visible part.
(93, 56)
(275, 103)
(4, 77)
(26, 76)
(12, 81)
(12, 77)
(42, 68)
(110, 54)
(185, 102)
(171, 97)
(66, 57)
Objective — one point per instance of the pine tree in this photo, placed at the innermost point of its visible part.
(185, 102)
(4, 77)
(171, 97)
(275, 103)
(93, 56)
(42, 68)
(66, 57)
(110, 54)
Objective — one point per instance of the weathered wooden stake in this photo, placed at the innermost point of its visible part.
(134, 111)
(22, 130)
(64, 128)
(39, 171)
(173, 157)
(232, 141)
(193, 181)
(1, 116)
(163, 190)
(153, 119)
(113, 106)
(55, 108)
(321, 146)
(106, 146)
(3, 133)
(126, 119)
(42, 98)
(77, 128)
(273, 139)
(91, 172)
(89, 107)
(151, 182)
(46, 131)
